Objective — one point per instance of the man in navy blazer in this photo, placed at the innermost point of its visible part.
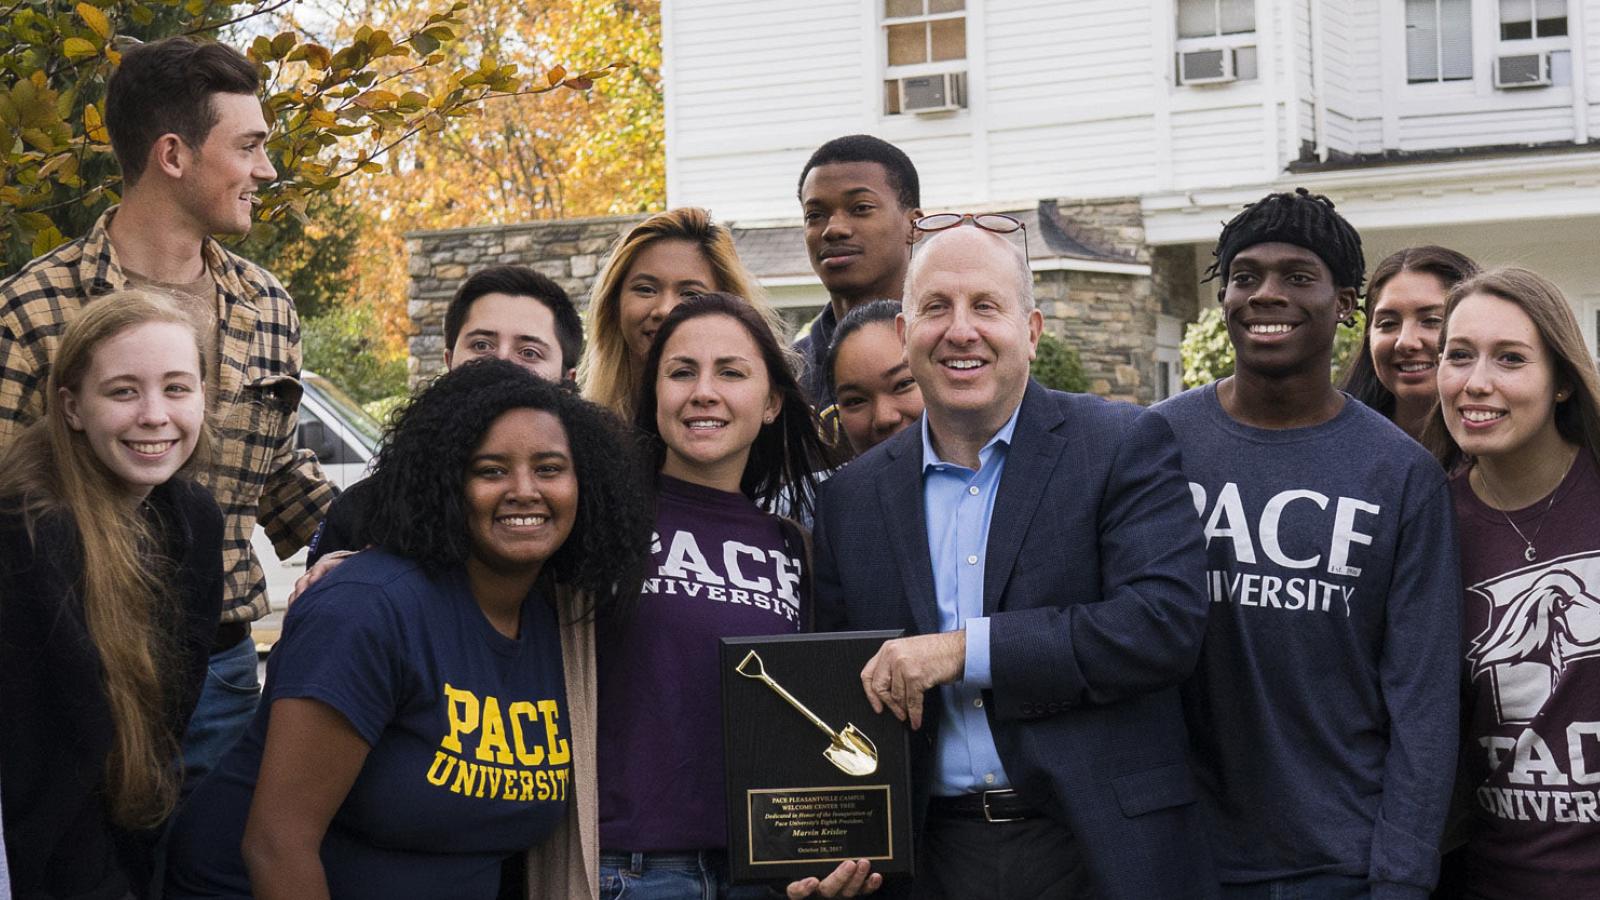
(1042, 551)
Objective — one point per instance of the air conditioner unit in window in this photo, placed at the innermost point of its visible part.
(1213, 65)
(1522, 70)
(924, 94)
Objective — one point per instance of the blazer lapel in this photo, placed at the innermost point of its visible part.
(900, 493)
(1035, 450)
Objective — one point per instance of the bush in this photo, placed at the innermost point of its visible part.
(346, 346)
(1056, 365)
(1208, 354)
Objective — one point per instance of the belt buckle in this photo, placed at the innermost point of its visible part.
(990, 817)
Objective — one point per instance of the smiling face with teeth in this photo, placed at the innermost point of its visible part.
(141, 404)
(1498, 381)
(521, 494)
(1282, 308)
(1407, 315)
(216, 182)
(713, 396)
(969, 330)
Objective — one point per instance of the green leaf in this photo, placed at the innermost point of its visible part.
(37, 138)
(47, 240)
(76, 48)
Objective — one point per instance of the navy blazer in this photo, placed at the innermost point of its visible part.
(1094, 585)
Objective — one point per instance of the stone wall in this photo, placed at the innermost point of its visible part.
(1115, 224)
(568, 250)
(1110, 319)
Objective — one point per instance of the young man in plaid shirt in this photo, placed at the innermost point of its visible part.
(188, 132)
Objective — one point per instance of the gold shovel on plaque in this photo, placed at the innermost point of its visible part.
(851, 751)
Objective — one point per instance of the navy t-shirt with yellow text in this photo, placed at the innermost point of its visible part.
(470, 757)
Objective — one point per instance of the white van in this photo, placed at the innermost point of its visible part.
(345, 439)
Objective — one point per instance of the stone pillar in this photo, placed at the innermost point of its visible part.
(1175, 271)
(1109, 318)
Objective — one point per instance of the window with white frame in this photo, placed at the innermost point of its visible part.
(1534, 50)
(925, 44)
(1438, 41)
(1216, 41)
(1522, 20)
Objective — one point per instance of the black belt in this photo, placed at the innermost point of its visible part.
(229, 634)
(990, 806)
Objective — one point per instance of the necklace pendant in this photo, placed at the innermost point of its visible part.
(1528, 554)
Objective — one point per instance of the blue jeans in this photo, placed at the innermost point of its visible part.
(227, 703)
(1307, 887)
(671, 876)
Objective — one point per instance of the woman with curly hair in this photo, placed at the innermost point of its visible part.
(660, 262)
(110, 588)
(1394, 370)
(1518, 425)
(731, 431)
(428, 711)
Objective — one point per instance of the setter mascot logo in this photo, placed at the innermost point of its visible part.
(1542, 620)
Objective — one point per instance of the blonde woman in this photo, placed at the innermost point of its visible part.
(110, 588)
(660, 262)
(1518, 424)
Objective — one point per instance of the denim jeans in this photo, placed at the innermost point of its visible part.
(1307, 887)
(671, 876)
(227, 702)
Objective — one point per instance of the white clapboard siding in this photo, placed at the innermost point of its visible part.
(1075, 98)
(1486, 129)
(1217, 147)
(1111, 158)
(946, 168)
(1044, 56)
(1590, 11)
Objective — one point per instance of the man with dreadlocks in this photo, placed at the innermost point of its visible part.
(1323, 713)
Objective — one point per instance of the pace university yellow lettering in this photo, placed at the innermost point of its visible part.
(463, 720)
(560, 751)
(518, 711)
(494, 735)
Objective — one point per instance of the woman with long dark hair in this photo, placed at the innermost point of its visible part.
(428, 711)
(731, 432)
(1519, 426)
(110, 588)
(1394, 371)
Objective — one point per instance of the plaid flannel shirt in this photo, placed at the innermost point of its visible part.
(256, 474)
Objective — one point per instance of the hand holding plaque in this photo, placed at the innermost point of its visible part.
(799, 806)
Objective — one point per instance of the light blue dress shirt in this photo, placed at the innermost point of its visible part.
(958, 504)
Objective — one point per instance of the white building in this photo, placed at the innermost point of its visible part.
(1460, 122)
